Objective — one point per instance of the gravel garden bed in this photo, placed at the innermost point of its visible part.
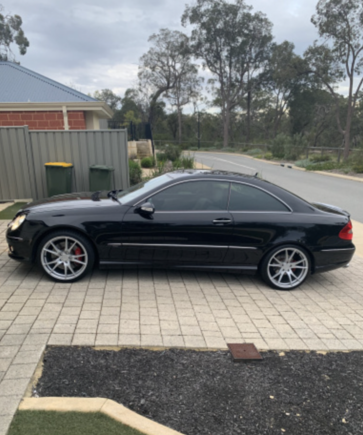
(200, 393)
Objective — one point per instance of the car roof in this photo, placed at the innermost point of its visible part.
(206, 172)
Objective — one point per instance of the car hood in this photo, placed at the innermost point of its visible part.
(70, 201)
(327, 208)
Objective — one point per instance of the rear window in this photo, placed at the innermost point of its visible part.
(248, 198)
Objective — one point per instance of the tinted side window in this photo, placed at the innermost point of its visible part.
(247, 198)
(193, 195)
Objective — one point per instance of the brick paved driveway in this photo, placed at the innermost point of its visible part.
(166, 309)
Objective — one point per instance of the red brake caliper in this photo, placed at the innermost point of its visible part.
(78, 251)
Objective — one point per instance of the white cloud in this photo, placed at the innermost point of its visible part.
(97, 45)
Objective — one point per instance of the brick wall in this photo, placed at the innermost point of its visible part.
(43, 120)
(76, 121)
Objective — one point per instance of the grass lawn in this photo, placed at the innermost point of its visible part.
(67, 423)
(10, 211)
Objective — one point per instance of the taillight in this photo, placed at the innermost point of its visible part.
(347, 232)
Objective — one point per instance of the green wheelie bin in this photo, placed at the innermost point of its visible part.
(100, 177)
(59, 177)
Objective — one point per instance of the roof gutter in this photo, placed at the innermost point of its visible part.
(102, 109)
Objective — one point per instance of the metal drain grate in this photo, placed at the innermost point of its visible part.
(244, 352)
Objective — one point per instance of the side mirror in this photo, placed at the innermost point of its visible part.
(146, 209)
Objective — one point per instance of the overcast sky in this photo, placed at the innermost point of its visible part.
(96, 45)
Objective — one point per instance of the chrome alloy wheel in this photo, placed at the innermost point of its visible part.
(288, 268)
(64, 258)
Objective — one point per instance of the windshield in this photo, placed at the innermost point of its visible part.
(142, 188)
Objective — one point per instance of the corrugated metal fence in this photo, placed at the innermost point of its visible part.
(23, 154)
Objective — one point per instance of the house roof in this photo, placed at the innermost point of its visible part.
(21, 85)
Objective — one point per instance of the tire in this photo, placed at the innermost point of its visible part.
(286, 267)
(66, 256)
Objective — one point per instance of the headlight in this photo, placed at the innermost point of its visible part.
(17, 222)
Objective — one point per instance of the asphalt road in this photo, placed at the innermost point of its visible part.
(347, 194)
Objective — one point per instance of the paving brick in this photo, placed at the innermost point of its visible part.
(84, 339)
(129, 340)
(5, 421)
(13, 387)
(20, 371)
(12, 339)
(4, 363)
(151, 340)
(60, 339)
(106, 339)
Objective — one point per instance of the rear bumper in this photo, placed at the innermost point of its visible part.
(330, 259)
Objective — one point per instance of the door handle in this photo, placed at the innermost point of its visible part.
(222, 221)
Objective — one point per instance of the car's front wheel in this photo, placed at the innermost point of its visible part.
(286, 267)
(66, 256)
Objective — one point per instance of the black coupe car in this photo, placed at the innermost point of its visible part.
(195, 219)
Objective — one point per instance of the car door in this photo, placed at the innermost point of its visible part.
(259, 218)
(190, 226)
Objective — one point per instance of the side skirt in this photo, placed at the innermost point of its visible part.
(250, 270)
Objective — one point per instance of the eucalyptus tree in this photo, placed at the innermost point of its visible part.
(339, 55)
(283, 77)
(187, 88)
(109, 97)
(232, 43)
(11, 32)
(166, 66)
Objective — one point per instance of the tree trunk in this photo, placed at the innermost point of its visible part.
(248, 135)
(347, 131)
(226, 119)
(180, 125)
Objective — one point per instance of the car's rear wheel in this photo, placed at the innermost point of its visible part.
(286, 267)
(66, 256)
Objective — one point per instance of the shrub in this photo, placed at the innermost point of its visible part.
(255, 152)
(268, 156)
(278, 145)
(161, 157)
(135, 172)
(324, 166)
(147, 162)
(356, 158)
(358, 167)
(172, 152)
(187, 162)
(303, 163)
(318, 158)
(295, 147)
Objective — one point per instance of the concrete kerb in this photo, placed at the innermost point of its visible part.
(108, 407)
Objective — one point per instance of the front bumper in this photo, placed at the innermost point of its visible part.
(19, 249)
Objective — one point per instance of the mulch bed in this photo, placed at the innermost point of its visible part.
(200, 393)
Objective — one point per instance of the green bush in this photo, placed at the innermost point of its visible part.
(289, 148)
(319, 158)
(324, 166)
(187, 162)
(254, 152)
(356, 158)
(135, 172)
(172, 152)
(161, 157)
(358, 168)
(268, 156)
(303, 163)
(278, 145)
(148, 162)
